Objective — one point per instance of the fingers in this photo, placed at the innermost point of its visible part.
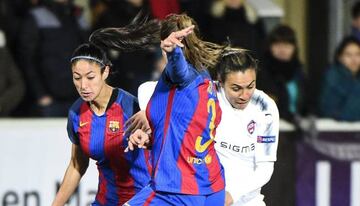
(184, 32)
(175, 38)
(139, 139)
(130, 147)
(143, 140)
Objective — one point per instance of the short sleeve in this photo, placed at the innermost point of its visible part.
(130, 104)
(268, 134)
(71, 129)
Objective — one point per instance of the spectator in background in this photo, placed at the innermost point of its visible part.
(11, 83)
(236, 21)
(340, 97)
(355, 24)
(48, 36)
(130, 69)
(282, 75)
(12, 13)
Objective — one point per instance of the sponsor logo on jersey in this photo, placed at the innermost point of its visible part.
(237, 148)
(114, 126)
(251, 127)
(195, 160)
(265, 139)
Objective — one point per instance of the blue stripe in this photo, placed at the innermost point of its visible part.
(111, 196)
(96, 146)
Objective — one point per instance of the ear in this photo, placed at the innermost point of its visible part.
(106, 72)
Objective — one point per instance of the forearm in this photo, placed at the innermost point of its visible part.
(70, 182)
(260, 177)
(76, 169)
(177, 69)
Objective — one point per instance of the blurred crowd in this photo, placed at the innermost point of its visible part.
(37, 38)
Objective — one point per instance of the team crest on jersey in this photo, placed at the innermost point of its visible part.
(251, 127)
(114, 126)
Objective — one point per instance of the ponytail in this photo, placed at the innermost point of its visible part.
(140, 34)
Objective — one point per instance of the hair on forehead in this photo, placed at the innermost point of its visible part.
(235, 60)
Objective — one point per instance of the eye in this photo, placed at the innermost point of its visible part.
(91, 77)
(77, 78)
(235, 89)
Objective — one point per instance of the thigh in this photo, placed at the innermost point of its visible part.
(215, 199)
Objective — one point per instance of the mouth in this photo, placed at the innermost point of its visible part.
(242, 103)
(85, 94)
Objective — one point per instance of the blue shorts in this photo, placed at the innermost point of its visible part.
(148, 197)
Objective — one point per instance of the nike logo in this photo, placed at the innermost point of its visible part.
(83, 124)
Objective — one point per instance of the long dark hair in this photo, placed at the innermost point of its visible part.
(140, 34)
(283, 33)
(346, 41)
(235, 60)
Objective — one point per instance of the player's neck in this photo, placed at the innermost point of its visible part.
(100, 103)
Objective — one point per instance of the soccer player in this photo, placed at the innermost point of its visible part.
(96, 126)
(183, 113)
(248, 134)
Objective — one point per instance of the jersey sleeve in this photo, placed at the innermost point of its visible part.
(71, 121)
(130, 104)
(145, 92)
(253, 183)
(178, 70)
(268, 134)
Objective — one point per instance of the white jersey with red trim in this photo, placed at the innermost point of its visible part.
(246, 143)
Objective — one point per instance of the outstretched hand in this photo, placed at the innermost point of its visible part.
(174, 39)
(138, 139)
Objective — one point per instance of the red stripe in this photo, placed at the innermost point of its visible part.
(114, 153)
(167, 121)
(149, 165)
(101, 194)
(147, 159)
(196, 127)
(215, 168)
(149, 199)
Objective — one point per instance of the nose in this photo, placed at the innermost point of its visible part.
(244, 94)
(83, 84)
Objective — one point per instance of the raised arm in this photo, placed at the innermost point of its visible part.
(177, 68)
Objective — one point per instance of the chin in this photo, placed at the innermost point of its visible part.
(87, 99)
(240, 106)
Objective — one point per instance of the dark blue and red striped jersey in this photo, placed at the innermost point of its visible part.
(183, 113)
(102, 138)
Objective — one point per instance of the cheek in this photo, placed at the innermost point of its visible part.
(97, 84)
(231, 95)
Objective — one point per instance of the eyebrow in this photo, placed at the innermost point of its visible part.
(246, 85)
(85, 74)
